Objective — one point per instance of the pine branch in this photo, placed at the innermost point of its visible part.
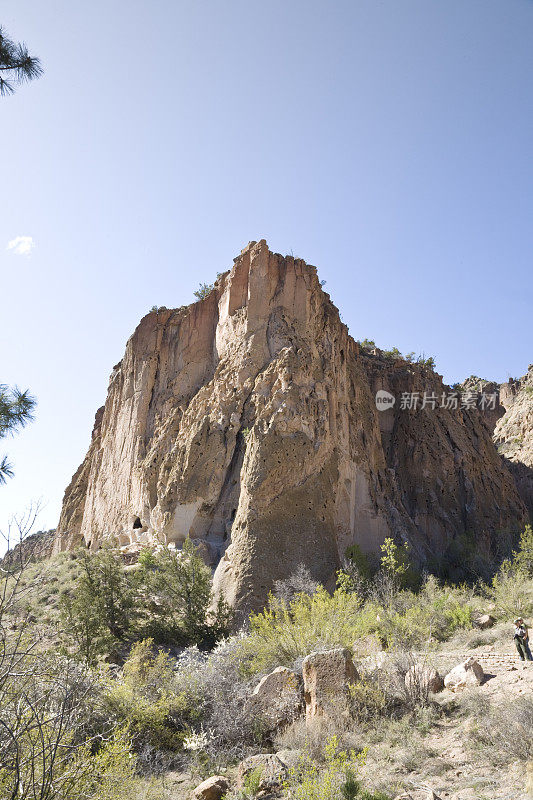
(17, 63)
(6, 470)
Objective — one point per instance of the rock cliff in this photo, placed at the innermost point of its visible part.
(513, 433)
(248, 421)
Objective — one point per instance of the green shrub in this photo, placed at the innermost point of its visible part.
(368, 700)
(359, 560)
(335, 779)
(181, 581)
(143, 699)
(523, 556)
(285, 632)
(204, 290)
(97, 613)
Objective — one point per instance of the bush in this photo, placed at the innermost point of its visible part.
(512, 587)
(368, 700)
(300, 582)
(144, 702)
(334, 779)
(181, 582)
(286, 632)
(212, 696)
(204, 290)
(96, 614)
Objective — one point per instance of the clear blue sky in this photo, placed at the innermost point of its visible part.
(388, 142)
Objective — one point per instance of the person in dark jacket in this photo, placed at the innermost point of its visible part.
(521, 639)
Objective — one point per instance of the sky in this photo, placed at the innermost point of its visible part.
(387, 142)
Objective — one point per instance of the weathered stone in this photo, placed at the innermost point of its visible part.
(272, 770)
(468, 673)
(485, 621)
(277, 699)
(213, 788)
(425, 677)
(327, 676)
(248, 420)
(290, 758)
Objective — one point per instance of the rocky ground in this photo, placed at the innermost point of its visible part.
(435, 754)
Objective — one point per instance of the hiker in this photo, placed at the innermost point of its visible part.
(521, 638)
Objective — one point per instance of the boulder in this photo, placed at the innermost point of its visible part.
(290, 758)
(485, 621)
(327, 676)
(277, 699)
(468, 673)
(425, 677)
(273, 772)
(214, 788)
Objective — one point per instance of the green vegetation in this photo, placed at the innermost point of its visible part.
(16, 407)
(96, 615)
(335, 779)
(283, 633)
(426, 362)
(129, 709)
(204, 290)
(16, 64)
(167, 598)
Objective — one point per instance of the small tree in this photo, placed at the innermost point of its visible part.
(203, 290)
(523, 557)
(395, 568)
(16, 64)
(181, 583)
(98, 614)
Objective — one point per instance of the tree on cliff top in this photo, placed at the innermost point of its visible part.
(16, 64)
(16, 409)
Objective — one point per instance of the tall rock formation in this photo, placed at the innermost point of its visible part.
(248, 421)
(513, 433)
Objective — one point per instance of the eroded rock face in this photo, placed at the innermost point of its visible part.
(248, 421)
(513, 433)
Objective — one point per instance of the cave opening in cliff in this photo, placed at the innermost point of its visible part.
(137, 523)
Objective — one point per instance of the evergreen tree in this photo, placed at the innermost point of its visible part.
(16, 64)
(182, 584)
(16, 409)
(98, 613)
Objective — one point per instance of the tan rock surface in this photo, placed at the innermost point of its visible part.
(248, 421)
(425, 678)
(327, 677)
(277, 699)
(513, 433)
(213, 788)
